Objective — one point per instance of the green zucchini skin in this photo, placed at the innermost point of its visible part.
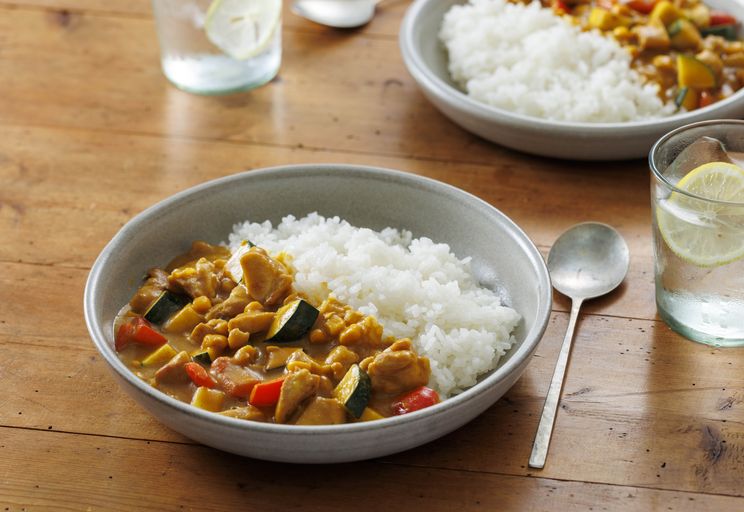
(727, 32)
(164, 306)
(354, 391)
(292, 322)
(202, 358)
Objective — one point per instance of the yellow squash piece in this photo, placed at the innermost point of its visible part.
(603, 19)
(693, 73)
(665, 12)
(183, 321)
(208, 399)
(161, 356)
(688, 98)
(684, 35)
(370, 414)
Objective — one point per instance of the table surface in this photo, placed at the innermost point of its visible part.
(92, 133)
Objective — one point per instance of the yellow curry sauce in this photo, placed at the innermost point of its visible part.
(692, 51)
(255, 349)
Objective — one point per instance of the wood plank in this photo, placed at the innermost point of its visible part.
(168, 475)
(674, 420)
(63, 211)
(384, 24)
(376, 108)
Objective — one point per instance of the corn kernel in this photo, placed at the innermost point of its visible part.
(318, 336)
(334, 325)
(217, 341)
(237, 339)
(202, 304)
(351, 334)
(246, 355)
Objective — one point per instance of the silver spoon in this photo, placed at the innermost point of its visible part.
(588, 260)
(336, 13)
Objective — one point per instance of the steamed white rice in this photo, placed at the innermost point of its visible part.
(414, 287)
(526, 59)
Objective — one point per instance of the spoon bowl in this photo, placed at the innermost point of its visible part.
(588, 260)
(336, 13)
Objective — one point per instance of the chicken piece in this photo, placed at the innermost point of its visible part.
(298, 360)
(364, 337)
(322, 411)
(713, 61)
(202, 330)
(397, 369)
(246, 355)
(234, 379)
(277, 356)
(173, 371)
(267, 280)
(245, 413)
(653, 36)
(343, 356)
(297, 387)
(201, 279)
(231, 306)
(156, 283)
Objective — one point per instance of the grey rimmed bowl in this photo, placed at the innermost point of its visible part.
(426, 60)
(502, 255)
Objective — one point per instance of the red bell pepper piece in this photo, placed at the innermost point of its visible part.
(137, 330)
(266, 394)
(706, 98)
(199, 375)
(721, 18)
(560, 7)
(642, 6)
(419, 398)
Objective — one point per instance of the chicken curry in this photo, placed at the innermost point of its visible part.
(693, 52)
(229, 333)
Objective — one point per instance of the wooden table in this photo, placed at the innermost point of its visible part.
(91, 133)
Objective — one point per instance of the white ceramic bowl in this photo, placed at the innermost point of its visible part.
(502, 255)
(426, 60)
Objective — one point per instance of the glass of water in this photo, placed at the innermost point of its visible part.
(219, 46)
(697, 201)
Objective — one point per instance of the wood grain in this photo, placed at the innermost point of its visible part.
(91, 134)
(681, 428)
(105, 179)
(384, 24)
(167, 474)
(379, 113)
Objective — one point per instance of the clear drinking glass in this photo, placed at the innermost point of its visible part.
(697, 201)
(219, 46)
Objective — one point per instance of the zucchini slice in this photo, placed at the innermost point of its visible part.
(354, 391)
(202, 357)
(164, 306)
(727, 32)
(292, 321)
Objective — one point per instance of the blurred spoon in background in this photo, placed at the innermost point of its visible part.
(336, 13)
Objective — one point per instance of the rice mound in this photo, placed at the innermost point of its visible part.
(414, 287)
(527, 60)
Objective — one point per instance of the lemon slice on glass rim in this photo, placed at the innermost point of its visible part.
(243, 28)
(706, 233)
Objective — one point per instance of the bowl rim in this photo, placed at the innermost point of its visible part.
(448, 94)
(501, 373)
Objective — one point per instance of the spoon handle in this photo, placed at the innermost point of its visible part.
(547, 420)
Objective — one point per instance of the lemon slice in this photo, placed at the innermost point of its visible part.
(242, 28)
(706, 234)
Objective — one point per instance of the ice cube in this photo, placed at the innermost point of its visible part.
(702, 151)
